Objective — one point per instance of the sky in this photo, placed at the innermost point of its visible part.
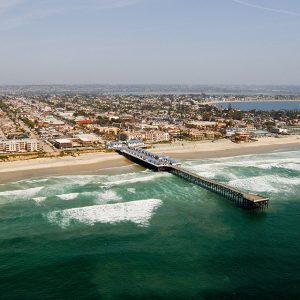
(150, 42)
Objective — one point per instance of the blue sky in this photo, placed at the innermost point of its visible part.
(150, 41)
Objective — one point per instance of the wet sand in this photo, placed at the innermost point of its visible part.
(75, 169)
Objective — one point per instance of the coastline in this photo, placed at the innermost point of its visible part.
(226, 148)
(97, 162)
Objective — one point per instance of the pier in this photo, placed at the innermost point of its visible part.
(160, 163)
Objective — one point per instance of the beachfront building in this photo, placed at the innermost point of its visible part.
(157, 136)
(132, 135)
(136, 143)
(19, 146)
(88, 139)
(63, 143)
(196, 134)
(116, 145)
(279, 130)
(259, 133)
(241, 136)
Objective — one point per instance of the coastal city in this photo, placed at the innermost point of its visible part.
(149, 150)
(71, 124)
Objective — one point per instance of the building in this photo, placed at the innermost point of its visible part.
(33, 146)
(19, 146)
(241, 137)
(80, 120)
(201, 124)
(136, 143)
(279, 130)
(116, 145)
(132, 135)
(196, 134)
(157, 136)
(107, 130)
(259, 133)
(63, 143)
(87, 140)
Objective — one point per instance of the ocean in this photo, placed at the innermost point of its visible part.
(134, 234)
(263, 105)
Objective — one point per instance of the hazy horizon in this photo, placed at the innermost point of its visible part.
(143, 42)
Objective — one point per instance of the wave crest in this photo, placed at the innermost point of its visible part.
(138, 212)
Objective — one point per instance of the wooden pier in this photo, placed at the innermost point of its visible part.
(239, 198)
(160, 163)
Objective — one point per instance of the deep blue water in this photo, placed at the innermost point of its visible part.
(265, 106)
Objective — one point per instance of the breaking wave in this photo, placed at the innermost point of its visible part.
(27, 193)
(133, 178)
(266, 183)
(39, 200)
(138, 212)
(108, 196)
(289, 161)
(68, 197)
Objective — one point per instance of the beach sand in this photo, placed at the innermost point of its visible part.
(91, 163)
(226, 148)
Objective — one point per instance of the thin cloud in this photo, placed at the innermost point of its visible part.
(7, 4)
(280, 11)
(41, 12)
(27, 18)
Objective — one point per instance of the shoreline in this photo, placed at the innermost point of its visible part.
(99, 162)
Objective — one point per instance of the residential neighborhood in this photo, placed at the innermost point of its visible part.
(55, 123)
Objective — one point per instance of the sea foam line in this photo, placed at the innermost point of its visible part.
(68, 197)
(266, 183)
(21, 193)
(133, 178)
(138, 212)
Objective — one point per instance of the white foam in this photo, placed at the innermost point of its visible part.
(133, 178)
(39, 200)
(267, 183)
(68, 197)
(36, 180)
(138, 212)
(79, 179)
(131, 190)
(220, 166)
(27, 193)
(108, 196)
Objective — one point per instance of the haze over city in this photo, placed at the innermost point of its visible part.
(149, 42)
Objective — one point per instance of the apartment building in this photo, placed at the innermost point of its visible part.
(18, 146)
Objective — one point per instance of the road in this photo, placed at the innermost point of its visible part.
(46, 146)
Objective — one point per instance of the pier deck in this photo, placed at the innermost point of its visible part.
(161, 163)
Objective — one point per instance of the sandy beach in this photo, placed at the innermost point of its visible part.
(89, 163)
(226, 148)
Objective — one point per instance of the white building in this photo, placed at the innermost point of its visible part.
(17, 146)
(157, 136)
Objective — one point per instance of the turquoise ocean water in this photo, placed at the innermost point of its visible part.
(134, 234)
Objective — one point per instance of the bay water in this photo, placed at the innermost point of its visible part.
(263, 105)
